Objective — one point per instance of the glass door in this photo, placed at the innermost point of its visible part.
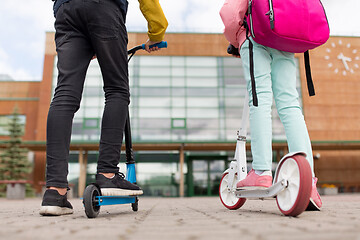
(204, 175)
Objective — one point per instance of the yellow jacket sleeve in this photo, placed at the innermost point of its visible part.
(156, 19)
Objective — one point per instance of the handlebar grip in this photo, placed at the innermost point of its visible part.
(162, 44)
(233, 50)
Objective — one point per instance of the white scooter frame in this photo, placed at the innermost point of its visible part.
(291, 185)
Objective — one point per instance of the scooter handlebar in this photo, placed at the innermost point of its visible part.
(162, 44)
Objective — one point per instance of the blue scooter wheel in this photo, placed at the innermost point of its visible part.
(90, 201)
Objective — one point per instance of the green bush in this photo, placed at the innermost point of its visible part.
(14, 164)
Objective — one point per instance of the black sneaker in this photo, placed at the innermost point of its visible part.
(54, 204)
(117, 186)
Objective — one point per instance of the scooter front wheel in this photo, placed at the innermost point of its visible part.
(90, 201)
(296, 171)
(227, 195)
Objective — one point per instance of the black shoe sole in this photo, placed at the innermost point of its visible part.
(312, 206)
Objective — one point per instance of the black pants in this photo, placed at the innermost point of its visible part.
(84, 28)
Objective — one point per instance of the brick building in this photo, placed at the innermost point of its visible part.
(186, 104)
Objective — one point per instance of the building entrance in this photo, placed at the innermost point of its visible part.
(204, 175)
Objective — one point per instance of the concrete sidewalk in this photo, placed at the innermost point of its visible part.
(184, 218)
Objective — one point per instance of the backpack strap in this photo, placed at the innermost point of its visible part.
(251, 60)
(309, 81)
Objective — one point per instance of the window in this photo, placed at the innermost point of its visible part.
(91, 123)
(174, 98)
(178, 123)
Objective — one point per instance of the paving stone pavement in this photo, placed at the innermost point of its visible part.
(183, 219)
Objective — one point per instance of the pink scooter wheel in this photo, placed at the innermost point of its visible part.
(294, 199)
(227, 196)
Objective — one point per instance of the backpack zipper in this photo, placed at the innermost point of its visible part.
(271, 14)
(251, 21)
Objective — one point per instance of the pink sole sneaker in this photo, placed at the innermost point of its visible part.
(315, 200)
(254, 181)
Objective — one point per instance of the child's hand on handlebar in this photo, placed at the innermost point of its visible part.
(233, 51)
(148, 44)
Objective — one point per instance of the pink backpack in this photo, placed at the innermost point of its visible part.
(287, 25)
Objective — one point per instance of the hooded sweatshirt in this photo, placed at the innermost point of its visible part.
(232, 14)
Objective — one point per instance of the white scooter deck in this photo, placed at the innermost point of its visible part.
(262, 193)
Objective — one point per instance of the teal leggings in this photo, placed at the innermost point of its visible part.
(275, 75)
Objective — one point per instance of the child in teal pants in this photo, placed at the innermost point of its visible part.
(275, 74)
(275, 77)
